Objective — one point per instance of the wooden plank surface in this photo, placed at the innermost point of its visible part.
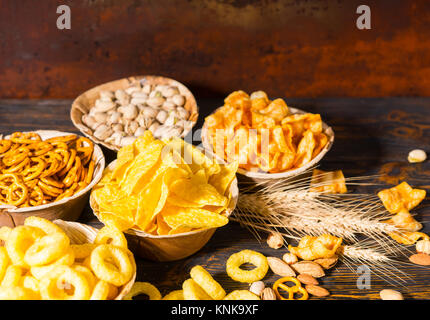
(373, 136)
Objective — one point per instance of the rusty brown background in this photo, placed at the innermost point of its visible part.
(288, 48)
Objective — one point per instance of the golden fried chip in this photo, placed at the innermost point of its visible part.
(311, 248)
(408, 238)
(192, 218)
(222, 180)
(305, 149)
(401, 197)
(404, 220)
(330, 182)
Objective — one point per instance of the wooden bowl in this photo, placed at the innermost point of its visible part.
(260, 177)
(81, 233)
(171, 247)
(68, 208)
(82, 104)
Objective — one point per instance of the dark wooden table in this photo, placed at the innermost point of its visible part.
(373, 136)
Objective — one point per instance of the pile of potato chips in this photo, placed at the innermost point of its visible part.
(164, 187)
(262, 134)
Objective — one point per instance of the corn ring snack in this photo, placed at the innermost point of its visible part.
(66, 260)
(110, 235)
(46, 226)
(4, 262)
(47, 249)
(4, 233)
(192, 291)
(111, 264)
(19, 240)
(101, 291)
(89, 275)
(241, 295)
(247, 256)
(12, 276)
(143, 288)
(31, 283)
(51, 288)
(81, 251)
(174, 295)
(17, 293)
(205, 280)
(297, 288)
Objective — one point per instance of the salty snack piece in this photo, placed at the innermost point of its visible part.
(263, 135)
(402, 196)
(417, 155)
(247, 256)
(119, 117)
(174, 295)
(291, 290)
(143, 288)
(404, 221)
(330, 182)
(205, 280)
(35, 172)
(311, 248)
(408, 238)
(38, 262)
(422, 246)
(192, 291)
(164, 187)
(241, 295)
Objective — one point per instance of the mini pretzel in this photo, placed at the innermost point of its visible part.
(65, 139)
(24, 138)
(280, 283)
(33, 171)
(5, 145)
(15, 156)
(16, 184)
(40, 148)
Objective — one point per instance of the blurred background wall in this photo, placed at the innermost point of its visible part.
(288, 48)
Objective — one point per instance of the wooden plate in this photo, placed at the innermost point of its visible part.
(82, 104)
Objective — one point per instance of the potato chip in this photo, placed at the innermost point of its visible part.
(152, 177)
(408, 238)
(330, 182)
(311, 248)
(402, 196)
(305, 149)
(141, 164)
(405, 221)
(222, 180)
(229, 132)
(192, 218)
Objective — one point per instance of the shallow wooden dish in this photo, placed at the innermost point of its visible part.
(81, 233)
(259, 177)
(171, 247)
(68, 208)
(83, 103)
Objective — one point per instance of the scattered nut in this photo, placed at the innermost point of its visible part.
(307, 279)
(308, 267)
(290, 258)
(420, 258)
(280, 268)
(275, 240)
(417, 155)
(317, 291)
(423, 246)
(389, 294)
(268, 294)
(257, 287)
(140, 107)
(327, 263)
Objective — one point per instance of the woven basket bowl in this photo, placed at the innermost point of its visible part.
(171, 247)
(68, 208)
(259, 177)
(83, 103)
(81, 233)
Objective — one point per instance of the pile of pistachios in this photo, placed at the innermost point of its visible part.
(119, 117)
